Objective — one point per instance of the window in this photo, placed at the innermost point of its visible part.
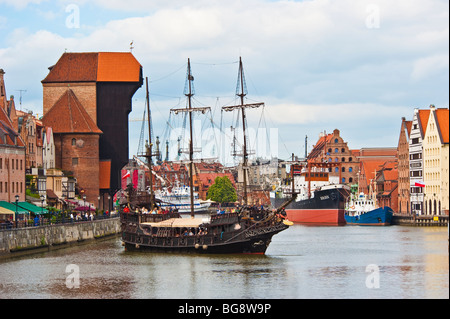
(415, 140)
(336, 169)
(350, 169)
(336, 140)
(343, 169)
(336, 150)
(74, 141)
(75, 161)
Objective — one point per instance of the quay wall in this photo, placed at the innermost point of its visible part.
(19, 241)
(407, 220)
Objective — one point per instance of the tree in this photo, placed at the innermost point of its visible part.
(222, 190)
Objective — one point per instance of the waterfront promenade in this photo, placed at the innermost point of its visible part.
(47, 235)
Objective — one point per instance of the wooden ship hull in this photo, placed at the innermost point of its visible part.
(222, 234)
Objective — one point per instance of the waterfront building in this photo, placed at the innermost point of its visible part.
(418, 130)
(403, 168)
(31, 130)
(86, 99)
(48, 149)
(12, 153)
(262, 176)
(387, 185)
(371, 161)
(332, 148)
(436, 162)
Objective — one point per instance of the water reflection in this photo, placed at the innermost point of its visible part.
(302, 262)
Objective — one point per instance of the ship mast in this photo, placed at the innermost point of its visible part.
(149, 155)
(190, 110)
(241, 93)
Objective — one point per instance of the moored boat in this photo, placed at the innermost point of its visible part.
(362, 210)
(178, 198)
(320, 198)
(246, 231)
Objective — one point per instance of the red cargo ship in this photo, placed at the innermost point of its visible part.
(320, 198)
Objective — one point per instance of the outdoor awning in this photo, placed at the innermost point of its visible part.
(12, 207)
(32, 208)
(6, 214)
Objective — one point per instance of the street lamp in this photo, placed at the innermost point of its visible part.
(17, 204)
(42, 204)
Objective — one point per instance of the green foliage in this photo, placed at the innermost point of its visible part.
(222, 191)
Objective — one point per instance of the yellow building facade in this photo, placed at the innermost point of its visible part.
(436, 162)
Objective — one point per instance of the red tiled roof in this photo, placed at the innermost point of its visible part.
(68, 115)
(408, 125)
(442, 116)
(95, 67)
(316, 151)
(117, 67)
(7, 131)
(369, 168)
(423, 117)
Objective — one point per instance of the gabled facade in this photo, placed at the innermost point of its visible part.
(436, 162)
(418, 129)
(332, 148)
(48, 149)
(404, 204)
(31, 131)
(12, 153)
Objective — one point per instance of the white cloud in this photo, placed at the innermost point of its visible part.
(20, 4)
(317, 61)
(425, 68)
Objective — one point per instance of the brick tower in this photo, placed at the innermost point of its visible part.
(87, 99)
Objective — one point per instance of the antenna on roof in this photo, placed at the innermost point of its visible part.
(20, 97)
(131, 46)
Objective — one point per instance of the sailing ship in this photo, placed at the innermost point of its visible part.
(244, 231)
(320, 197)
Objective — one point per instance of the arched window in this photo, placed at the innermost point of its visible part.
(74, 141)
(336, 169)
(343, 159)
(350, 169)
(336, 140)
(343, 169)
(336, 150)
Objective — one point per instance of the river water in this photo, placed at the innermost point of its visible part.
(302, 262)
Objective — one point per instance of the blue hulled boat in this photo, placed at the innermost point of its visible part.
(363, 211)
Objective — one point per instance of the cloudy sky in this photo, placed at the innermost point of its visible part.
(355, 65)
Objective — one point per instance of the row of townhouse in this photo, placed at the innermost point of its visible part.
(27, 156)
(423, 153)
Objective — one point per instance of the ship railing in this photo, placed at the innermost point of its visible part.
(146, 218)
(226, 218)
